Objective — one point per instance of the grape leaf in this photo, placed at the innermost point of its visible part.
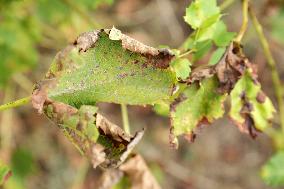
(198, 104)
(222, 37)
(201, 11)
(181, 67)
(216, 56)
(97, 68)
(204, 17)
(103, 142)
(251, 110)
(273, 171)
(5, 173)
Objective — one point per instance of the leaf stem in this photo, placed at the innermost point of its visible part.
(186, 53)
(244, 23)
(15, 103)
(125, 120)
(272, 65)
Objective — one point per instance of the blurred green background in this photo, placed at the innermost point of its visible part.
(32, 31)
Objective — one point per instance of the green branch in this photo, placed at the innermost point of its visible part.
(272, 65)
(14, 104)
(125, 120)
(244, 23)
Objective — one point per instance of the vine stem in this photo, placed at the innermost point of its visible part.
(125, 120)
(244, 23)
(272, 65)
(15, 103)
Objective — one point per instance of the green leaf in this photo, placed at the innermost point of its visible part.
(109, 72)
(222, 37)
(197, 104)
(4, 173)
(216, 56)
(181, 67)
(202, 13)
(201, 49)
(273, 171)
(249, 106)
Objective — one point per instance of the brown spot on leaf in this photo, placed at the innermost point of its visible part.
(87, 40)
(260, 97)
(200, 73)
(231, 67)
(158, 58)
(248, 125)
(190, 137)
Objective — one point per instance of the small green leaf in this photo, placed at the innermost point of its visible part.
(222, 37)
(196, 104)
(248, 102)
(202, 13)
(181, 67)
(273, 171)
(4, 173)
(216, 56)
(201, 49)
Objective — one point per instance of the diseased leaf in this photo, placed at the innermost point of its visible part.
(231, 67)
(181, 67)
(139, 174)
(198, 104)
(103, 142)
(251, 110)
(5, 173)
(104, 68)
(273, 172)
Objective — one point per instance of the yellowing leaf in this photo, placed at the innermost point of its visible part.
(251, 110)
(198, 104)
(181, 67)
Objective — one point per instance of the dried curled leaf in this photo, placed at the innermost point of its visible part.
(109, 179)
(108, 66)
(103, 142)
(139, 174)
(250, 110)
